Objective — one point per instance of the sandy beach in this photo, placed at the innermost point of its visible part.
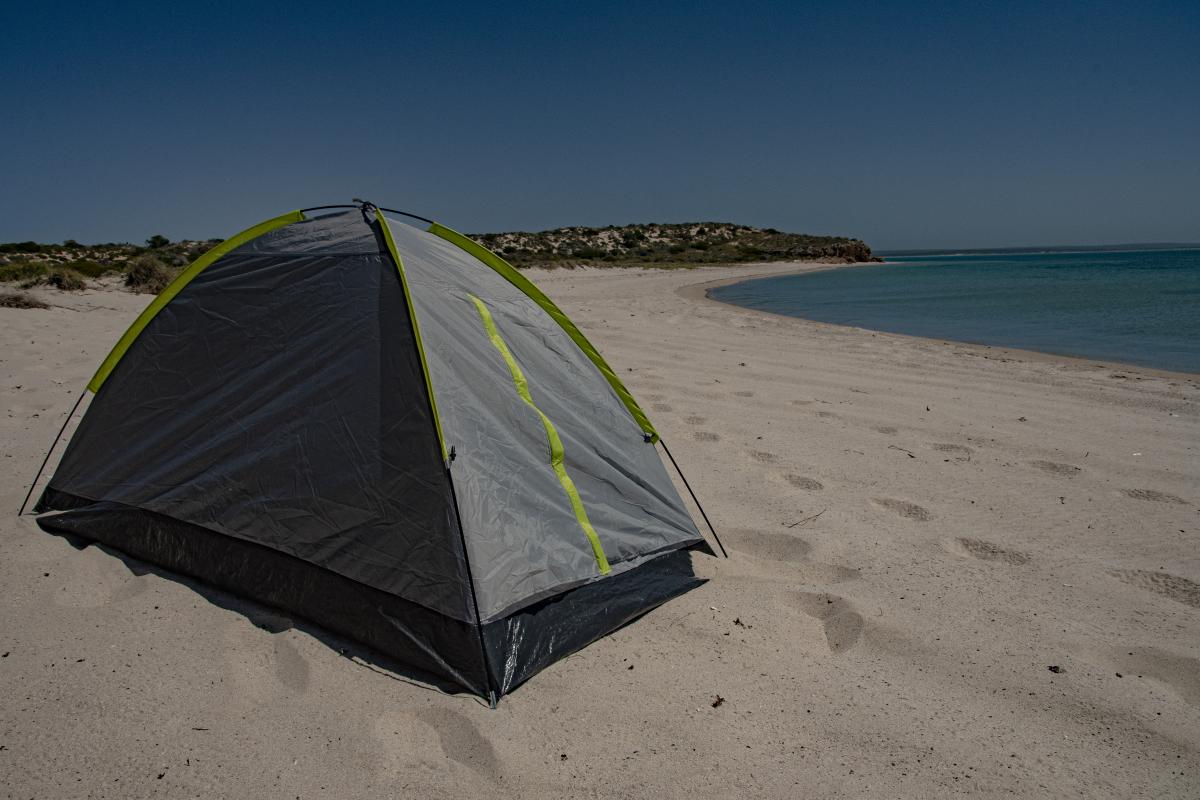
(953, 570)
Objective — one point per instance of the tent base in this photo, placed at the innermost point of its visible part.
(427, 646)
(527, 641)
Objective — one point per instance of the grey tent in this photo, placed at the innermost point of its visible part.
(386, 429)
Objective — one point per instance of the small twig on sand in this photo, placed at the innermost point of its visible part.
(902, 450)
(809, 519)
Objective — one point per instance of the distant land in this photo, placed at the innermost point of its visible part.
(684, 244)
(1065, 248)
(151, 266)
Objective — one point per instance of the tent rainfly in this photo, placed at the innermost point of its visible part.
(389, 431)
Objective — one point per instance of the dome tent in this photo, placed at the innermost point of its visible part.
(389, 431)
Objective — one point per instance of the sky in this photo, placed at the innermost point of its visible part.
(905, 124)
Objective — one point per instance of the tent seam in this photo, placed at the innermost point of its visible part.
(510, 274)
(556, 446)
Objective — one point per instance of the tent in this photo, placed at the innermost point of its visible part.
(384, 428)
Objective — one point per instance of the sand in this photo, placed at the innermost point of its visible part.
(918, 530)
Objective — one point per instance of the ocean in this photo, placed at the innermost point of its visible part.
(1136, 307)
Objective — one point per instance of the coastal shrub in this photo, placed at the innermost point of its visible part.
(89, 268)
(22, 271)
(20, 300)
(20, 247)
(156, 241)
(148, 275)
(66, 280)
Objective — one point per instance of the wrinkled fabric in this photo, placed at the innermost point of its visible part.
(279, 399)
(524, 541)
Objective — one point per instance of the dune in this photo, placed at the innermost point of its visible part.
(953, 569)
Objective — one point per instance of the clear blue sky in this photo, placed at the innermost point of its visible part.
(906, 124)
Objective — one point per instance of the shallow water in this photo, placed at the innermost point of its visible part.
(1137, 307)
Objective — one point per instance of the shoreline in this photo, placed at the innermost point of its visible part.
(704, 291)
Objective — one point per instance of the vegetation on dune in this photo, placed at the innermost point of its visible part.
(150, 268)
(70, 266)
(148, 275)
(669, 245)
(20, 300)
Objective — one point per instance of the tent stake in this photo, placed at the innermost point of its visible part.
(695, 499)
(50, 452)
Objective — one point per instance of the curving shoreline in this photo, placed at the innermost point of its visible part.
(1014, 352)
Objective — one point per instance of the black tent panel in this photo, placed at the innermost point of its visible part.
(428, 646)
(279, 399)
(533, 638)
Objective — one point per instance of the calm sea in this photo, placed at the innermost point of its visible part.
(1137, 307)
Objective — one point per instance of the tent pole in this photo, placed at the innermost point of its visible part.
(50, 452)
(695, 499)
(380, 229)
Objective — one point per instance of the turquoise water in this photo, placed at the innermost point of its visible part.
(1137, 307)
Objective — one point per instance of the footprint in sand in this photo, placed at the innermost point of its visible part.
(1180, 673)
(987, 551)
(264, 666)
(903, 508)
(770, 546)
(705, 436)
(92, 578)
(1153, 496)
(269, 622)
(434, 739)
(763, 457)
(843, 625)
(960, 452)
(661, 407)
(827, 415)
(1055, 468)
(1181, 590)
(695, 420)
(803, 402)
(888, 429)
(800, 482)
(785, 548)
(743, 394)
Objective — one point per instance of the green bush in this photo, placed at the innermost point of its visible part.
(156, 241)
(89, 268)
(22, 271)
(148, 275)
(20, 247)
(67, 280)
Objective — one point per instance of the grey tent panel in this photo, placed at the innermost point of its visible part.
(524, 541)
